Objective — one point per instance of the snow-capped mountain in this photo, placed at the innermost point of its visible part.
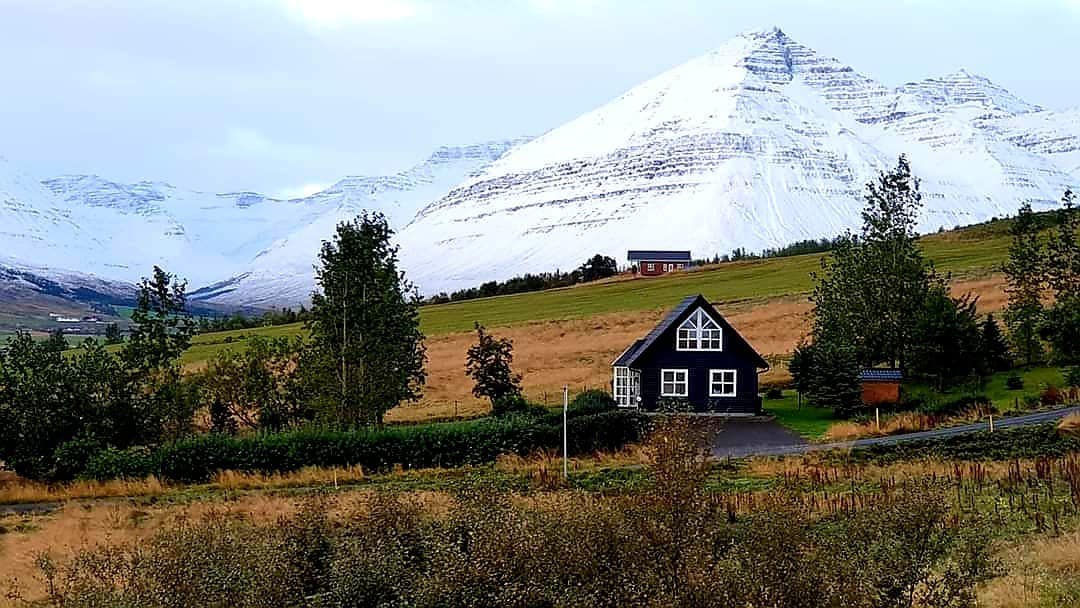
(757, 144)
(240, 249)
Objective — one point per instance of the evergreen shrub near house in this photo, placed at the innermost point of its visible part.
(475, 442)
(592, 401)
(1014, 382)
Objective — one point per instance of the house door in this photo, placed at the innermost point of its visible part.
(626, 386)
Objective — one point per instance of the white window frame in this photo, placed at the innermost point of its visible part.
(650, 267)
(626, 386)
(675, 382)
(692, 335)
(723, 383)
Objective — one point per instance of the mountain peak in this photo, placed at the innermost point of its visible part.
(966, 87)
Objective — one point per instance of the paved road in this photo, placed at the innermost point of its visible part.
(731, 447)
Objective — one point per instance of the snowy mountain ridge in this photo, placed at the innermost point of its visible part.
(756, 144)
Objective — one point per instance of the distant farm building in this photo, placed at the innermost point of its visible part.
(880, 385)
(655, 262)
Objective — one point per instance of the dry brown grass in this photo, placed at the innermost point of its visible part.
(903, 422)
(1070, 425)
(1031, 567)
(578, 353)
(17, 490)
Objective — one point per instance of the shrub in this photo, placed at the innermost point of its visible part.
(1032, 401)
(1051, 396)
(111, 463)
(72, 456)
(774, 392)
(1014, 382)
(1072, 377)
(959, 405)
(453, 444)
(509, 404)
(592, 401)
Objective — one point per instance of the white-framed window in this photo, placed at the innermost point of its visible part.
(626, 386)
(722, 382)
(650, 267)
(699, 332)
(674, 382)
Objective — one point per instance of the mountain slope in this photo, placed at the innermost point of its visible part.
(282, 273)
(757, 144)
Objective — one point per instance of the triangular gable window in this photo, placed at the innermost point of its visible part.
(699, 332)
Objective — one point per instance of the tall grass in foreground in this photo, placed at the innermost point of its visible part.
(669, 543)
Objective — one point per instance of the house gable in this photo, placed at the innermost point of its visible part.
(664, 335)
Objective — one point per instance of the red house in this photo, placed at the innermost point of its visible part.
(652, 262)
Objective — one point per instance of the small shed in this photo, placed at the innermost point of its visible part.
(880, 385)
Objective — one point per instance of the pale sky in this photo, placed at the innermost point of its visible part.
(280, 96)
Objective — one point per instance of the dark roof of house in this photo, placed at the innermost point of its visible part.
(877, 374)
(650, 255)
(631, 355)
(628, 354)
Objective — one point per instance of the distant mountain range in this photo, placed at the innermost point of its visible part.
(757, 144)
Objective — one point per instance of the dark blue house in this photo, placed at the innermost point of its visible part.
(693, 357)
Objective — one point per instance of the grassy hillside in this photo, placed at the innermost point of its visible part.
(961, 252)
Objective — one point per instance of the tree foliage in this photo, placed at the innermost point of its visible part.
(257, 387)
(873, 285)
(488, 363)
(365, 327)
(1025, 280)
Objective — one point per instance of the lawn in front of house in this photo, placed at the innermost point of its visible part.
(808, 421)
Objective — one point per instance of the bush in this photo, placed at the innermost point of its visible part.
(774, 392)
(1032, 401)
(111, 463)
(509, 404)
(1051, 396)
(959, 405)
(1014, 382)
(1003, 444)
(72, 457)
(453, 444)
(592, 401)
(1072, 377)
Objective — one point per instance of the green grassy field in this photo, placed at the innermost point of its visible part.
(969, 251)
(813, 422)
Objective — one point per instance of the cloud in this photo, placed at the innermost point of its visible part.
(302, 191)
(336, 13)
(245, 143)
(570, 7)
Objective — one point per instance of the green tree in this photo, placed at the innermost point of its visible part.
(365, 326)
(1063, 252)
(1025, 279)
(56, 341)
(161, 326)
(113, 335)
(947, 340)
(872, 286)
(835, 380)
(488, 363)
(598, 267)
(993, 346)
(256, 386)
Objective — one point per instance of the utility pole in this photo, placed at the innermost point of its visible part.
(565, 432)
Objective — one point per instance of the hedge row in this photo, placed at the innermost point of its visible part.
(432, 445)
(1004, 444)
